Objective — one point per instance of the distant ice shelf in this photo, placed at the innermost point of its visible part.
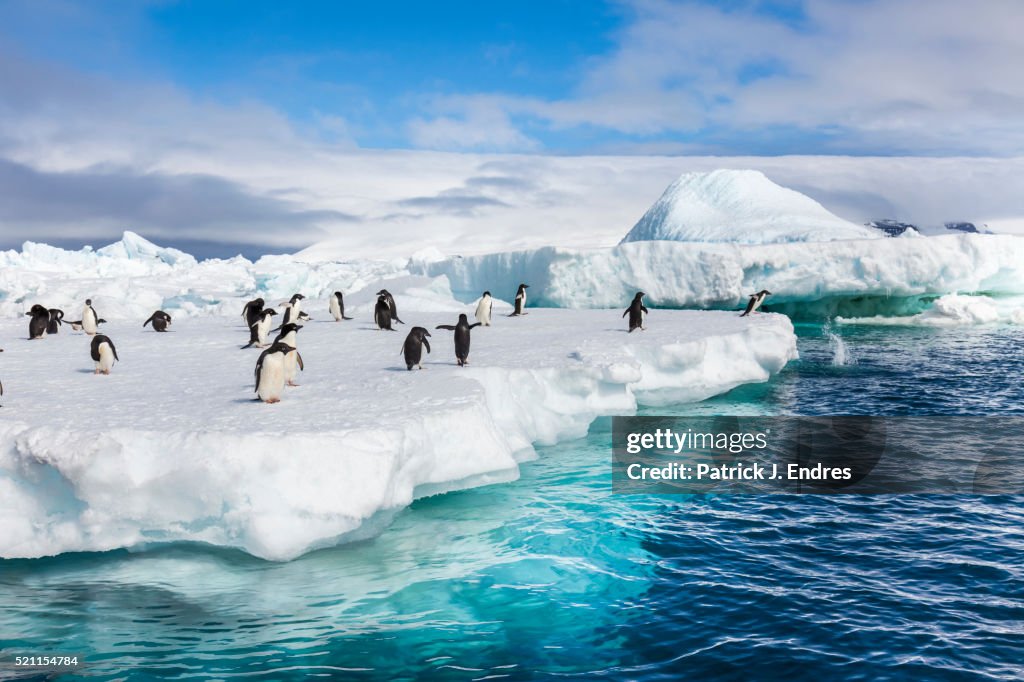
(171, 446)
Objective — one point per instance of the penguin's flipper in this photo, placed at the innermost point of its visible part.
(625, 313)
(643, 308)
(113, 350)
(299, 358)
(149, 320)
(475, 324)
(345, 318)
(449, 327)
(427, 344)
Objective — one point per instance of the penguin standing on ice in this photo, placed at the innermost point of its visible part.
(637, 312)
(103, 353)
(413, 348)
(392, 308)
(90, 320)
(292, 359)
(484, 309)
(270, 372)
(251, 314)
(337, 307)
(755, 301)
(520, 301)
(39, 322)
(261, 328)
(56, 319)
(161, 321)
(382, 313)
(461, 338)
(293, 310)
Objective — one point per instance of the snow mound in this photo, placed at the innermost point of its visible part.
(809, 278)
(740, 206)
(171, 447)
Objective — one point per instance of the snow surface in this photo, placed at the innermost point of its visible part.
(172, 447)
(679, 274)
(740, 206)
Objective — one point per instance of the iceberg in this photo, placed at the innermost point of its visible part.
(743, 207)
(171, 447)
(849, 277)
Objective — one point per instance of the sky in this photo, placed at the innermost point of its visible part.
(266, 126)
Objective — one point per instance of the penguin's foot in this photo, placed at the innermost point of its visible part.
(292, 383)
(272, 401)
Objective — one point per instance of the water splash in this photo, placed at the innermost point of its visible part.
(842, 356)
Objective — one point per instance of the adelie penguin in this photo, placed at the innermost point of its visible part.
(270, 372)
(251, 314)
(261, 328)
(90, 320)
(637, 312)
(39, 322)
(292, 359)
(755, 301)
(161, 321)
(382, 313)
(520, 301)
(337, 307)
(461, 338)
(484, 309)
(103, 353)
(413, 348)
(56, 319)
(293, 309)
(391, 304)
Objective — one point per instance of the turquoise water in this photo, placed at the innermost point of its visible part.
(552, 576)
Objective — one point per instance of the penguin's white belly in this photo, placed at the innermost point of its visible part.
(483, 311)
(291, 366)
(335, 309)
(262, 327)
(272, 379)
(89, 322)
(106, 360)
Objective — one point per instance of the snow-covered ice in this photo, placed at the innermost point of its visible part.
(740, 206)
(172, 447)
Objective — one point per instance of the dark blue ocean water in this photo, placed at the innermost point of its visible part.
(553, 576)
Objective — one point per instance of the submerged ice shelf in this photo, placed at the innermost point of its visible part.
(172, 447)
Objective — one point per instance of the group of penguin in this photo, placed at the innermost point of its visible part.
(47, 321)
(278, 365)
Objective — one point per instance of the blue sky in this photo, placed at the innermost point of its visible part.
(644, 76)
(120, 111)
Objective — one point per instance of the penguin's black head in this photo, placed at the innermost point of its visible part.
(88, 301)
(290, 327)
(383, 292)
(259, 301)
(269, 311)
(463, 319)
(487, 293)
(39, 310)
(639, 295)
(298, 297)
(337, 294)
(524, 286)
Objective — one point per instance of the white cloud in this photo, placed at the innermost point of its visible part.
(886, 75)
